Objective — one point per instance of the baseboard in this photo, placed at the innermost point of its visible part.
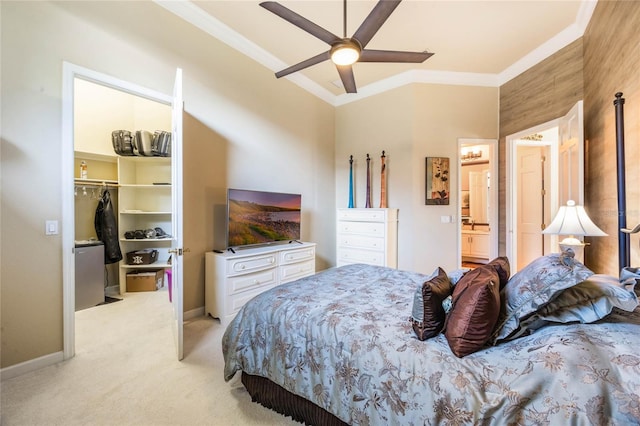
(31, 365)
(194, 313)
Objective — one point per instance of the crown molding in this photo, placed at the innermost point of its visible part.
(207, 23)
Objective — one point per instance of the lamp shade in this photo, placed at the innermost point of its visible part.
(573, 220)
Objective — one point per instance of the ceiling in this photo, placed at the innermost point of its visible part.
(478, 42)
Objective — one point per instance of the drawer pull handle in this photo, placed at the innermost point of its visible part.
(256, 282)
(242, 266)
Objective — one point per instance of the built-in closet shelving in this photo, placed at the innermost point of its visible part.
(144, 200)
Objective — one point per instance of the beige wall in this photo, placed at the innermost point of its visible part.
(243, 128)
(424, 121)
(611, 64)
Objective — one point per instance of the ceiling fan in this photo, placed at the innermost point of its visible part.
(346, 51)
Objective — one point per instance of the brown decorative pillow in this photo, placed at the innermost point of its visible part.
(428, 315)
(501, 265)
(476, 307)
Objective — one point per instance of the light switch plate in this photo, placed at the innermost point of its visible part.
(51, 227)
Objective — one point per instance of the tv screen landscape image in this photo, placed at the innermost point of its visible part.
(258, 217)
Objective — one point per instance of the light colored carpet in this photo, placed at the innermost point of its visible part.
(125, 372)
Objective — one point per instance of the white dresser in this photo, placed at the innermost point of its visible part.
(232, 279)
(367, 236)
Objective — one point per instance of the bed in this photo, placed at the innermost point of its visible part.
(339, 347)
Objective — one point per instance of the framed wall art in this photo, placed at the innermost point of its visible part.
(437, 181)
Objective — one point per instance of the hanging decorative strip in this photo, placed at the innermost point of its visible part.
(351, 182)
(383, 182)
(368, 201)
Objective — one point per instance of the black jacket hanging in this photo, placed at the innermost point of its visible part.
(107, 229)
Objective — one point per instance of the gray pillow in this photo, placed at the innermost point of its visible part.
(533, 287)
(586, 302)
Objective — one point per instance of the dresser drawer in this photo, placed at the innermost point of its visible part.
(237, 301)
(297, 255)
(363, 215)
(250, 264)
(297, 270)
(371, 229)
(347, 256)
(245, 282)
(355, 241)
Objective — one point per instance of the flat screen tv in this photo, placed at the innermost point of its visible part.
(259, 217)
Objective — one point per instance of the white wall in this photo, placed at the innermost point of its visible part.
(243, 128)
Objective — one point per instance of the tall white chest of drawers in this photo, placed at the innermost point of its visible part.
(232, 279)
(367, 236)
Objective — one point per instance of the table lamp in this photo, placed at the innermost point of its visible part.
(572, 220)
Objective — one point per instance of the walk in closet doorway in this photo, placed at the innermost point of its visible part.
(140, 192)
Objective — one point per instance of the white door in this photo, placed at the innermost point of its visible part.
(478, 196)
(176, 198)
(530, 214)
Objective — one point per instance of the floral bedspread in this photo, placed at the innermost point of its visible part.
(342, 339)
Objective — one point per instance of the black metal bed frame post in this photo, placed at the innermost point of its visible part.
(623, 238)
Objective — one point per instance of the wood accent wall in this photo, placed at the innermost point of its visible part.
(611, 64)
(544, 92)
(604, 61)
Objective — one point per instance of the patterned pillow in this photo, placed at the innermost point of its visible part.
(476, 306)
(586, 302)
(533, 287)
(428, 314)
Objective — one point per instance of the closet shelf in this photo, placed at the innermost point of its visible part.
(155, 265)
(96, 182)
(140, 212)
(138, 185)
(145, 240)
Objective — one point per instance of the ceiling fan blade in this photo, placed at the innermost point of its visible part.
(304, 64)
(382, 10)
(393, 56)
(348, 80)
(300, 22)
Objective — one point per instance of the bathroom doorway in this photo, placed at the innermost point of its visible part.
(477, 200)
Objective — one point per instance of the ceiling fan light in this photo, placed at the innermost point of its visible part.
(345, 53)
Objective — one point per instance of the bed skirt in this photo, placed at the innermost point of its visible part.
(276, 398)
